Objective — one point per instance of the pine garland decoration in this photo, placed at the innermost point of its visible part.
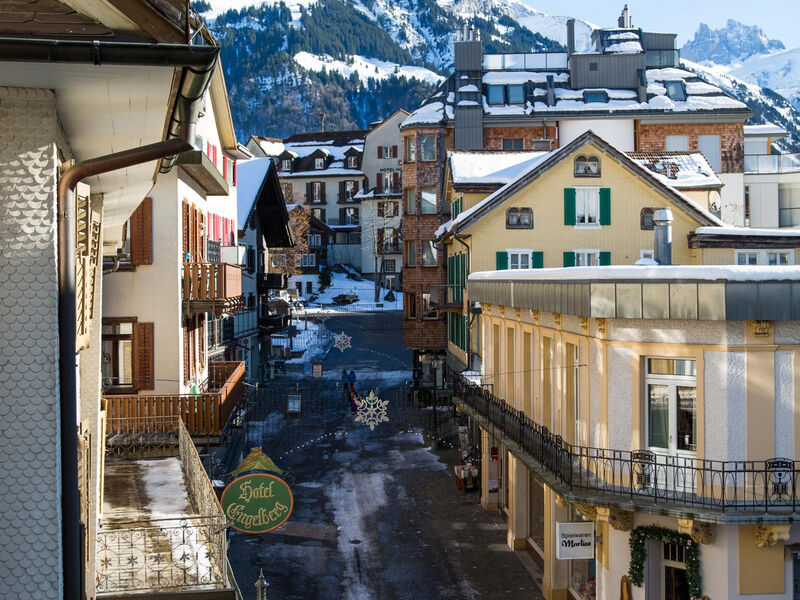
(638, 544)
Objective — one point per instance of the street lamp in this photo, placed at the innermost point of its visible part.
(261, 586)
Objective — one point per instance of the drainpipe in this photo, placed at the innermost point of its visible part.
(181, 133)
(67, 364)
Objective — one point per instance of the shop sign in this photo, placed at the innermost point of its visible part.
(316, 369)
(257, 503)
(575, 540)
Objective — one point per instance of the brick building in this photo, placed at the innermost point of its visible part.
(622, 83)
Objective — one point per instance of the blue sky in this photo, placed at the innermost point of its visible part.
(778, 18)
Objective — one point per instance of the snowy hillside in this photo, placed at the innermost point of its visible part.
(779, 72)
(365, 68)
(729, 45)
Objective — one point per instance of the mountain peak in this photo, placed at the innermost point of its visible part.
(734, 43)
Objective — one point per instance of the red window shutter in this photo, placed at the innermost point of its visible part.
(185, 231)
(395, 181)
(208, 149)
(380, 239)
(379, 183)
(309, 191)
(143, 347)
(380, 209)
(341, 190)
(380, 151)
(394, 151)
(225, 167)
(186, 351)
(225, 228)
(215, 154)
(141, 234)
(322, 191)
(201, 346)
(234, 173)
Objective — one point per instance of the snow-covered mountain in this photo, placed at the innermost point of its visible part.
(287, 62)
(729, 45)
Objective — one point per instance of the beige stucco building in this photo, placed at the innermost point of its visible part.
(650, 401)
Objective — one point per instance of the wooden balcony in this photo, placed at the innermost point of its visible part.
(203, 413)
(212, 288)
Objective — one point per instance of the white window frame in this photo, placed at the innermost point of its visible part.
(315, 239)
(308, 260)
(763, 256)
(673, 382)
(587, 252)
(319, 163)
(647, 253)
(592, 205)
(352, 162)
(519, 254)
(286, 164)
(349, 186)
(316, 191)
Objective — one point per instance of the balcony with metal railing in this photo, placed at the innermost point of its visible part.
(212, 288)
(162, 530)
(715, 491)
(771, 163)
(203, 413)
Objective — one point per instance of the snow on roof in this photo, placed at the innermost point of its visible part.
(271, 147)
(429, 113)
(490, 167)
(249, 177)
(748, 232)
(512, 77)
(303, 149)
(641, 272)
(469, 88)
(683, 170)
(628, 47)
(468, 103)
(765, 129)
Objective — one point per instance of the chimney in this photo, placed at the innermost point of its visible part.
(550, 99)
(571, 36)
(624, 20)
(641, 85)
(662, 230)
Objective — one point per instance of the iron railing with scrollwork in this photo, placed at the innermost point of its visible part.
(163, 555)
(198, 485)
(743, 489)
(146, 434)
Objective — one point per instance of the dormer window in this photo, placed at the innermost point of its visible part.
(495, 94)
(286, 164)
(352, 162)
(516, 94)
(319, 163)
(587, 166)
(590, 96)
(675, 90)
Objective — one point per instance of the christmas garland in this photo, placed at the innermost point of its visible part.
(638, 544)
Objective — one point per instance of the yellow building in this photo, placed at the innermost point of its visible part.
(643, 406)
(585, 204)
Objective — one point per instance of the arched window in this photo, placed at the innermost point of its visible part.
(587, 166)
(519, 218)
(646, 219)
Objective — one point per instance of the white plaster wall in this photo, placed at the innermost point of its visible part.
(153, 292)
(784, 404)
(345, 254)
(676, 332)
(787, 332)
(763, 201)
(732, 198)
(620, 391)
(617, 132)
(370, 223)
(724, 396)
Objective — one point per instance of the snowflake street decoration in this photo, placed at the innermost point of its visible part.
(342, 342)
(371, 411)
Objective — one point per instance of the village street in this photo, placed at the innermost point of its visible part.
(377, 513)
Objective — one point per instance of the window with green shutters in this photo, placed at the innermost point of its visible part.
(569, 206)
(605, 206)
(537, 260)
(569, 259)
(605, 259)
(457, 275)
(457, 330)
(502, 260)
(456, 206)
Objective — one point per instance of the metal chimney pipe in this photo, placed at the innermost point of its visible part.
(662, 230)
(571, 36)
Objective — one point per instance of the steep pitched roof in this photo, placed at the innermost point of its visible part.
(259, 196)
(474, 214)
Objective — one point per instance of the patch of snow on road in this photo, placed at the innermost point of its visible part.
(355, 498)
(365, 290)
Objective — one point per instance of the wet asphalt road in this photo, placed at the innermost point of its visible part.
(377, 513)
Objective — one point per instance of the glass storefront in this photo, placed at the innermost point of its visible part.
(582, 572)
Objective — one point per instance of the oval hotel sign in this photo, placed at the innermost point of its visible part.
(257, 503)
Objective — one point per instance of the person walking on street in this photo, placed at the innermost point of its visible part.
(353, 404)
(345, 382)
(352, 378)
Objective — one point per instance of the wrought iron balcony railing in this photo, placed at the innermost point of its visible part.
(740, 490)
